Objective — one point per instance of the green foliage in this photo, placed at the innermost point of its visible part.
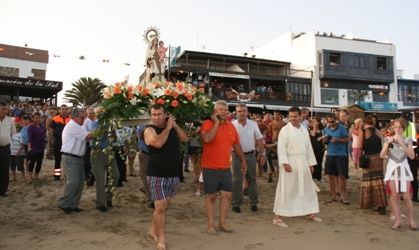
(85, 91)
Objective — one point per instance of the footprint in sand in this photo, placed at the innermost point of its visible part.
(253, 246)
(375, 240)
(299, 231)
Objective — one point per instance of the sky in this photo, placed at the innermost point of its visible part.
(113, 30)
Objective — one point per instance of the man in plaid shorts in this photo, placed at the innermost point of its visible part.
(163, 138)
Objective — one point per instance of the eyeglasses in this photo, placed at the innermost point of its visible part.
(331, 121)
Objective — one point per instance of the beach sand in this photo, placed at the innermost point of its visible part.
(30, 219)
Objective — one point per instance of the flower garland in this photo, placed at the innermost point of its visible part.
(123, 101)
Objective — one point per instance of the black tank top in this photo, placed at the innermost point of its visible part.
(164, 161)
(372, 144)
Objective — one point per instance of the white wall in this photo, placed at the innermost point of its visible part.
(356, 46)
(25, 67)
(278, 49)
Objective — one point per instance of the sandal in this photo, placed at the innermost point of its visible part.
(395, 227)
(330, 200)
(345, 201)
(413, 227)
(314, 218)
(279, 223)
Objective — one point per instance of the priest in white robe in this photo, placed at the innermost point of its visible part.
(296, 191)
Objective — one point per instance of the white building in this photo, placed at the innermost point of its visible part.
(22, 74)
(345, 70)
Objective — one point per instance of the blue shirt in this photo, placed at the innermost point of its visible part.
(24, 134)
(336, 148)
(141, 142)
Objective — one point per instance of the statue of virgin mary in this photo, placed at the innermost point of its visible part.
(154, 67)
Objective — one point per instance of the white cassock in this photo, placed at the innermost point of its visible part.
(296, 192)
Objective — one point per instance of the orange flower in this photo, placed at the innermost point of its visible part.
(179, 86)
(130, 93)
(167, 91)
(160, 101)
(174, 103)
(175, 95)
(117, 89)
(202, 90)
(189, 97)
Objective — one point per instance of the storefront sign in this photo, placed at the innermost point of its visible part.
(378, 106)
(32, 83)
(377, 86)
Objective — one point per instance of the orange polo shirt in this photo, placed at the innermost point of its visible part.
(216, 155)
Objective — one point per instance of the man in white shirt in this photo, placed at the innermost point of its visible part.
(250, 137)
(73, 149)
(7, 129)
(305, 113)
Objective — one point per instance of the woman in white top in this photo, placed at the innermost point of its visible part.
(398, 175)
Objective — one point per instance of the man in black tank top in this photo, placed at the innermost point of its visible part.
(163, 139)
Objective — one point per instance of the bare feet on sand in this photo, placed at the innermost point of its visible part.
(161, 246)
(225, 228)
(211, 231)
(151, 235)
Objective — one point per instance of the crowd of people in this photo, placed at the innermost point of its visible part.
(227, 153)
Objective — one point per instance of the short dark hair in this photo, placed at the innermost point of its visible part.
(157, 106)
(294, 109)
(331, 116)
(3, 104)
(369, 119)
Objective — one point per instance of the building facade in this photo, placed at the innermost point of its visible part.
(345, 70)
(22, 74)
(260, 83)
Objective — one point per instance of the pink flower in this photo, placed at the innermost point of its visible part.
(174, 103)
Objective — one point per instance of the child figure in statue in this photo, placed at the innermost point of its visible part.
(162, 51)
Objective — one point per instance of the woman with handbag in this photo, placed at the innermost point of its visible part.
(372, 184)
(316, 138)
(398, 175)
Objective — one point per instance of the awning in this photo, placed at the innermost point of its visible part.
(320, 110)
(286, 108)
(229, 75)
(277, 107)
(250, 105)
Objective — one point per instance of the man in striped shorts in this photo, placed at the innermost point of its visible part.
(163, 139)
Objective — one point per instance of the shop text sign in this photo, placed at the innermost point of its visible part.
(27, 82)
(379, 106)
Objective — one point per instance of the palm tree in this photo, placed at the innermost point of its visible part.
(85, 92)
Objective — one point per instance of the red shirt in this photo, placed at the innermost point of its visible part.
(216, 154)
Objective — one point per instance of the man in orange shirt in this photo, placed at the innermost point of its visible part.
(219, 137)
(57, 126)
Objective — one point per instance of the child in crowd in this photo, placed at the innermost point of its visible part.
(25, 139)
(17, 152)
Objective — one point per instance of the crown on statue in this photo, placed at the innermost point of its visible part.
(151, 33)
